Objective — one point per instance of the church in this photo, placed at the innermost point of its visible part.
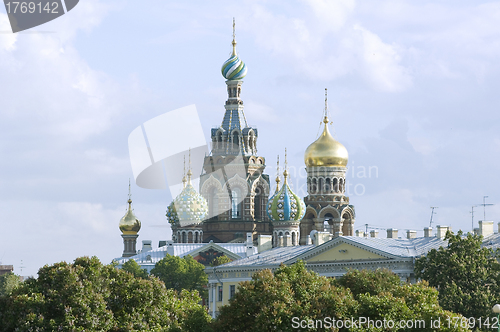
(235, 202)
(235, 192)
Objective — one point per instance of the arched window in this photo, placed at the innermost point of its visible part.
(213, 204)
(184, 237)
(335, 185)
(294, 238)
(236, 204)
(236, 141)
(258, 203)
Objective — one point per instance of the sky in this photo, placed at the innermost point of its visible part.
(412, 93)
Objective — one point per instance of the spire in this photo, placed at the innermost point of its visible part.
(285, 172)
(234, 38)
(189, 173)
(278, 175)
(184, 174)
(129, 194)
(325, 119)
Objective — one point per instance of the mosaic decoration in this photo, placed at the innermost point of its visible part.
(188, 206)
(285, 205)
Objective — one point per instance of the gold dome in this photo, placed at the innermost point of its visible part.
(326, 151)
(129, 224)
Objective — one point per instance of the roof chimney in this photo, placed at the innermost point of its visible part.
(485, 228)
(410, 234)
(264, 242)
(321, 237)
(146, 245)
(392, 233)
(170, 247)
(249, 244)
(427, 231)
(373, 233)
(441, 231)
(360, 233)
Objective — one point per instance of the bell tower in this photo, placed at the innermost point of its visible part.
(233, 180)
(327, 206)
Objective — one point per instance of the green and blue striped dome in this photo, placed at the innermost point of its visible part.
(285, 205)
(234, 69)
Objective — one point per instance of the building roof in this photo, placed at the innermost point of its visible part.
(390, 248)
(184, 249)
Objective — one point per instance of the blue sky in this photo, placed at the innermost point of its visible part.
(412, 94)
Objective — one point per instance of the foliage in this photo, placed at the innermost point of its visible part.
(131, 266)
(89, 296)
(182, 273)
(271, 301)
(8, 282)
(221, 260)
(466, 275)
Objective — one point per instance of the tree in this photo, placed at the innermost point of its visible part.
(221, 260)
(295, 299)
(465, 275)
(131, 266)
(182, 273)
(89, 296)
(8, 282)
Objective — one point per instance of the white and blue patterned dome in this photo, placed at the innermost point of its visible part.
(189, 207)
(285, 205)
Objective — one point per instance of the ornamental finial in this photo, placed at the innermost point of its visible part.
(234, 37)
(189, 173)
(278, 175)
(285, 172)
(325, 119)
(184, 173)
(129, 193)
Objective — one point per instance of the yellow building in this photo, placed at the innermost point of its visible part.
(332, 258)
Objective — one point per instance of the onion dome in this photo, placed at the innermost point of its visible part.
(285, 205)
(234, 69)
(326, 150)
(129, 223)
(188, 207)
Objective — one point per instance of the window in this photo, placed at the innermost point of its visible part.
(232, 291)
(219, 289)
(236, 204)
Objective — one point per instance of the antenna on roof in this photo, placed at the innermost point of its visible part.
(433, 213)
(484, 205)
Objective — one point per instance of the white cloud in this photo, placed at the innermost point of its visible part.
(7, 40)
(382, 63)
(329, 45)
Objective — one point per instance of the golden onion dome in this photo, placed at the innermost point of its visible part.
(129, 224)
(326, 151)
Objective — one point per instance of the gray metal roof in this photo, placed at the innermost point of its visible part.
(400, 247)
(181, 250)
(273, 256)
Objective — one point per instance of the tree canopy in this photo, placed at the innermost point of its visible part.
(89, 296)
(131, 266)
(221, 260)
(182, 273)
(295, 299)
(466, 275)
(8, 282)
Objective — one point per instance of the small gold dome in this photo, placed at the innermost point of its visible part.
(326, 151)
(129, 224)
